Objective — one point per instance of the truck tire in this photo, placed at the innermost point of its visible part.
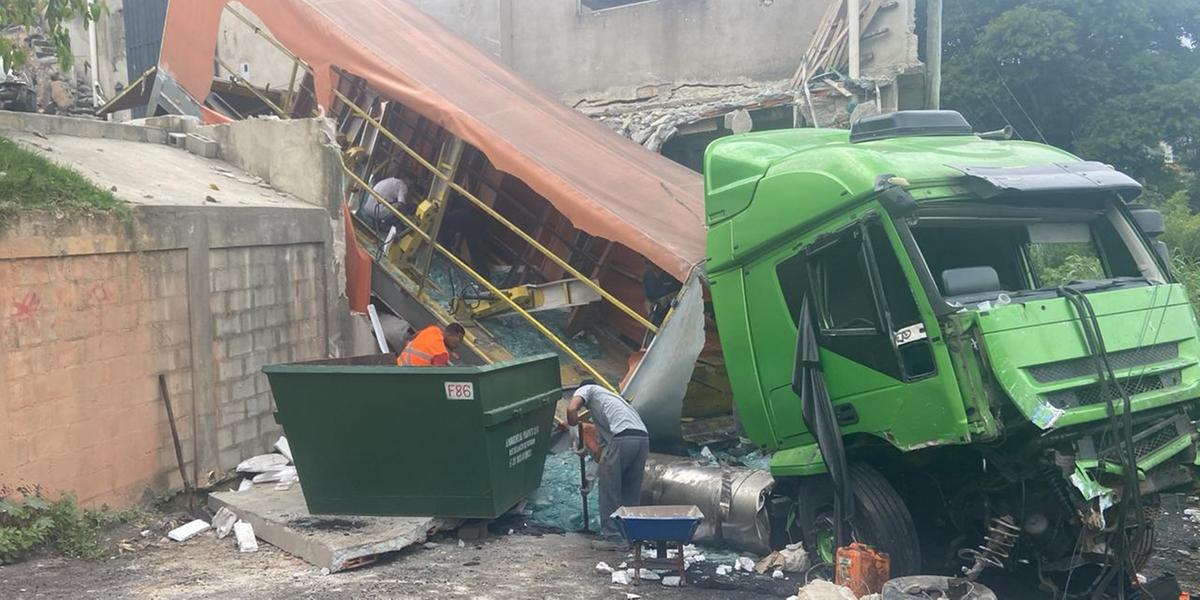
(880, 519)
(921, 587)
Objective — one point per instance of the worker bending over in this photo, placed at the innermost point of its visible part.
(624, 445)
(432, 347)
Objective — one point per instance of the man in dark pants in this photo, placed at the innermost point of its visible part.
(624, 446)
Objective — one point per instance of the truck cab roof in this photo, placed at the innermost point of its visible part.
(735, 164)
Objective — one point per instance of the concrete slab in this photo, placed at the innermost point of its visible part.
(336, 543)
(154, 174)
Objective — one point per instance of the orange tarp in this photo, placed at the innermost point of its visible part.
(605, 184)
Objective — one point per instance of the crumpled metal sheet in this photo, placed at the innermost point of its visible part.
(660, 381)
(733, 499)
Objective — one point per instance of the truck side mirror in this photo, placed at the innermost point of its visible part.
(1149, 220)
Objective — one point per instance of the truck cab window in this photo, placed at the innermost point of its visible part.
(842, 286)
(1033, 250)
(862, 299)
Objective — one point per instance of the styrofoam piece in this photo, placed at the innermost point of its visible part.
(245, 485)
(262, 463)
(282, 446)
(188, 531)
(285, 475)
(245, 537)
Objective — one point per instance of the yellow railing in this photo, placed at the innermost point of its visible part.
(492, 212)
(482, 281)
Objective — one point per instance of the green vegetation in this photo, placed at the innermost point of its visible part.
(52, 16)
(29, 183)
(1110, 80)
(32, 521)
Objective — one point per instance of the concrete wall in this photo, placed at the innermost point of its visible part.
(572, 52)
(95, 310)
(238, 43)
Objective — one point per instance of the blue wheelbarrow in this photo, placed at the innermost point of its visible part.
(663, 526)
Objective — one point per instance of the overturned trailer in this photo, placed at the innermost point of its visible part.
(534, 227)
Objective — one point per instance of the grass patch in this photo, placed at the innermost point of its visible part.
(30, 183)
(29, 522)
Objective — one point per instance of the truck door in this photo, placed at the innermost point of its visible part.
(873, 343)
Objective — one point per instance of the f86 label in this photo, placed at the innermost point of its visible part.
(460, 390)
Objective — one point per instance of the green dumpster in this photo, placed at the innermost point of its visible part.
(371, 438)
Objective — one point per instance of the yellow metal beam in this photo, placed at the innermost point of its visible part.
(482, 281)
(492, 212)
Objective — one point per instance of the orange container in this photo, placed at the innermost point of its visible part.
(862, 569)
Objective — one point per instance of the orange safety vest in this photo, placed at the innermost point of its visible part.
(427, 348)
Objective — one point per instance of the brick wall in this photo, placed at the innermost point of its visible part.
(85, 338)
(92, 312)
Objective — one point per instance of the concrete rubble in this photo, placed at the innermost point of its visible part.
(224, 521)
(655, 117)
(819, 589)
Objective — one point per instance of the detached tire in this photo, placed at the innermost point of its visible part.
(921, 587)
(880, 519)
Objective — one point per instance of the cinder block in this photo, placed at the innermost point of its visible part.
(202, 146)
(178, 140)
(231, 369)
(227, 326)
(243, 389)
(238, 345)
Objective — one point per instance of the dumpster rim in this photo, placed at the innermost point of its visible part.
(303, 368)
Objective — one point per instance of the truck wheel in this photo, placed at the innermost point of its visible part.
(880, 519)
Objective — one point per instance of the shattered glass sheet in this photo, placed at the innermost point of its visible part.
(557, 503)
(510, 330)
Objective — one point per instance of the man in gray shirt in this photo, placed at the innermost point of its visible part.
(624, 446)
(395, 191)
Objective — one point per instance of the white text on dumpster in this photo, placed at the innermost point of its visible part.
(520, 445)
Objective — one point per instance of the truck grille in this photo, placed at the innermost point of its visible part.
(1094, 393)
(1151, 438)
(1124, 359)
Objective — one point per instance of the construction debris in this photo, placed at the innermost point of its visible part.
(792, 559)
(223, 522)
(654, 118)
(262, 463)
(622, 577)
(819, 589)
(186, 532)
(245, 537)
(282, 446)
(285, 475)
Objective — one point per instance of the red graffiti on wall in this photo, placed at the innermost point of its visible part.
(26, 307)
(100, 294)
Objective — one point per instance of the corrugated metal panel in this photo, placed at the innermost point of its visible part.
(144, 21)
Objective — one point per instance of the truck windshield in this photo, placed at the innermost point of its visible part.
(977, 252)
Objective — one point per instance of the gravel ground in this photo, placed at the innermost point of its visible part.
(501, 567)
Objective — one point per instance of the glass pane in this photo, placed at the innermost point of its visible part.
(1060, 264)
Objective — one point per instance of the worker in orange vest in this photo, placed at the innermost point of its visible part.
(432, 347)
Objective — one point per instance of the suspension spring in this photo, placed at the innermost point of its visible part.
(1001, 536)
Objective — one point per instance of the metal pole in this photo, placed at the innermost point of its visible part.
(94, 55)
(853, 35)
(933, 53)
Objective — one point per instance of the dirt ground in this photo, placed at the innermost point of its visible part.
(551, 567)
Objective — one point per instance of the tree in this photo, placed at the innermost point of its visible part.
(54, 16)
(1111, 80)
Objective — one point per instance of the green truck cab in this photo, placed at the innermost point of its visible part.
(985, 310)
